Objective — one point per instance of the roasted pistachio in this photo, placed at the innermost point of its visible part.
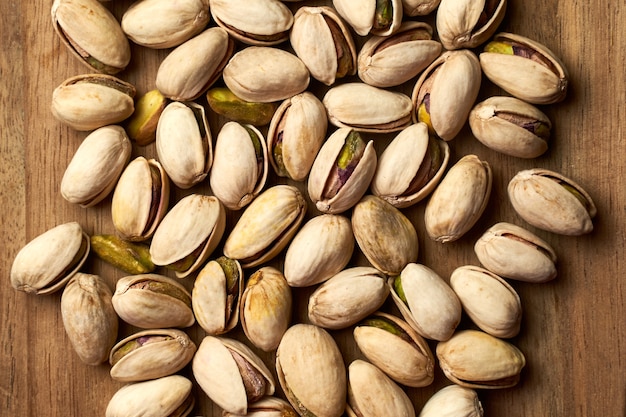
(142, 124)
(131, 257)
(222, 101)
(468, 23)
(453, 400)
(377, 17)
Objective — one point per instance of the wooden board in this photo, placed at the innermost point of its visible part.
(573, 331)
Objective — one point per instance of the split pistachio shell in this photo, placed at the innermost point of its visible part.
(46, 263)
(459, 200)
(552, 202)
(371, 16)
(267, 407)
(468, 23)
(96, 166)
(514, 252)
(419, 7)
(453, 400)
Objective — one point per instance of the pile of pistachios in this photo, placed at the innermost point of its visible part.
(306, 88)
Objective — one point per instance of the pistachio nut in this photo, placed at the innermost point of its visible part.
(459, 200)
(388, 61)
(188, 234)
(266, 407)
(410, 167)
(96, 166)
(131, 257)
(266, 226)
(395, 348)
(311, 371)
(419, 7)
(92, 34)
(516, 253)
(265, 311)
(142, 124)
(552, 202)
(222, 101)
(152, 301)
(240, 165)
(150, 354)
(46, 263)
(475, 359)
(89, 101)
(453, 400)
(88, 317)
(468, 23)
(231, 374)
(525, 69)
(374, 17)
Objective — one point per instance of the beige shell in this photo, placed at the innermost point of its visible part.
(96, 166)
(539, 196)
(453, 400)
(468, 23)
(311, 371)
(516, 253)
(46, 263)
(361, 16)
(419, 7)
(266, 407)
(88, 317)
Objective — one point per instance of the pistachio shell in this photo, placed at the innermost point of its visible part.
(362, 16)
(419, 7)
(266, 407)
(453, 400)
(468, 23)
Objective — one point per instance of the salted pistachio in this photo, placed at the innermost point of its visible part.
(375, 17)
(96, 166)
(265, 311)
(459, 200)
(516, 253)
(150, 354)
(366, 108)
(324, 43)
(152, 301)
(475, 359)
(267, 407)
(223, 102)
(384, 234)
(445, 92)
(183, 143)
(231, 374)
(410, 167)
(166, 396)
(419, 7)
(192, 68)
(395, 348)
(489, 301)
(525, 69)
(453, 400)
(131, 257)
(388, 61)
(265, 74)
(347, 297)
(468, 23)
(266, 226)
(142, 124)
(162, 24)
(314, 383)
(254, 22)
(88, 316)
(550, 201)
(342, 171)
(46, 263)
(240, 165)
(216, 295)
(92, 34)
(89, 101)
(188, 234)
(321, 248)
(296, 134)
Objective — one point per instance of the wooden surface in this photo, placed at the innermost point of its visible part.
(573, 331)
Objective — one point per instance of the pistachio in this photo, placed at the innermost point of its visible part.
(142, 124)
(377, 17)
(453, 400)
(222, 101)
(468, 23)
(267, 407)
(131, 257)
(419, 7)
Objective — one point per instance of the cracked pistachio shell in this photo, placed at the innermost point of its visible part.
(323, 42)
(489, 301)
(468, 23)
(347, 297)
(453, 400)
(388, 61)
(321, 248)
(188, 234)
(459, 200)
(89, 319)
(311, 371)
(183, 143)
(419, 7)
(46, 263)
(166, 396)
(96, 166)
(153, 301)
(410, 167)
(373, 17)
(92, 34)
(366, 108)
(89, 101)
(266, 407)
(231, 374)
(266, 308)
(514, 252)
(240, 165)
(475, 359)
(266, 226)
(150, 354)
(162, 24)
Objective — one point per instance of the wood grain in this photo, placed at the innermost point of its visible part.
(573, 330)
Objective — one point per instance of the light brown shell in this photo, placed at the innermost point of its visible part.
(360, 16)
(419, 7)
(453, 400)
(457, 22)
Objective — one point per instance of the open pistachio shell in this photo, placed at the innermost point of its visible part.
(468, 23)
(419, 7)
(453, 400)
(374, 17)
(266, 407)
